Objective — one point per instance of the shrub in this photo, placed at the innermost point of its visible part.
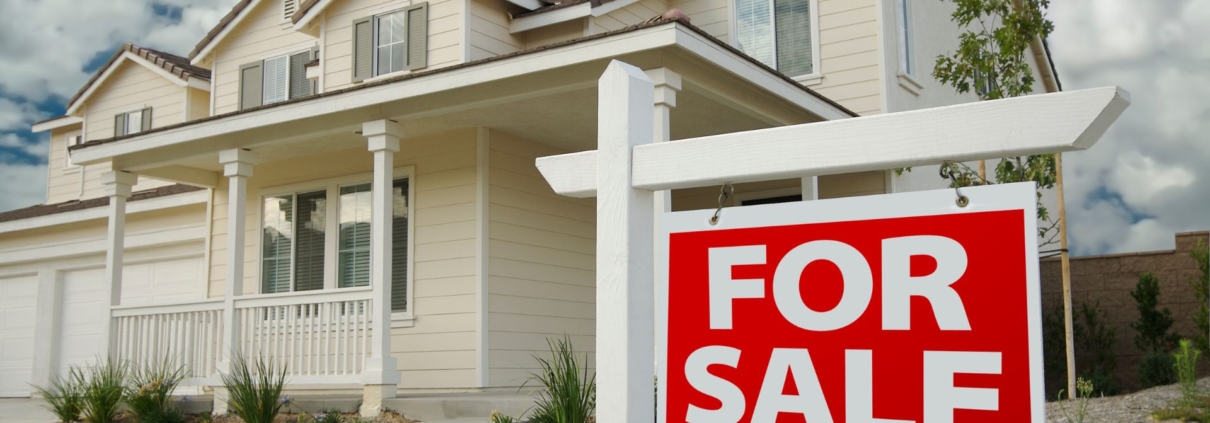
(101, 390)
(1157, 369)
(570, 394)
(1095, 358)
(253, 393)
(149, 390)
(1154, 324)
(1201, 292)
(1186, 371)
(63, 397)
(1054, 351)
(497, 417)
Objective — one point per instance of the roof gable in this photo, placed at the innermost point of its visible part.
(220, 31)
(175, 68)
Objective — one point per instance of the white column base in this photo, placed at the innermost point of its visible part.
(372, 398)
(220, 402)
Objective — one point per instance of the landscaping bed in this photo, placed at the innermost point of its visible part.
(1127, 408)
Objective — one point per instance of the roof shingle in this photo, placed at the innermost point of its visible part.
(176, 65)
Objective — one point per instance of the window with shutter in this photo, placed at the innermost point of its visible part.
(276, 80)
(300, 86)
(68, 142)
(119, 125)
(132, 122)
(390, 42)
(779, 33)
(250, 85)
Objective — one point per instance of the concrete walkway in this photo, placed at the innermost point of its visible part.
(24, 410)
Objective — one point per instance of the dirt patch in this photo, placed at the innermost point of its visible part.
(1129, 408)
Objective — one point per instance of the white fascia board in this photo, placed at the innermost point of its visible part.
(62, 122)
(526, 23)
(199, 83)
(586, 51)
(126, 55)
(314, 11)
(527, 4)
(605, 8)
(159, 203)
(160, 237)
(201, 55)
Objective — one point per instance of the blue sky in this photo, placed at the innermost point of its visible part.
(1148, 178)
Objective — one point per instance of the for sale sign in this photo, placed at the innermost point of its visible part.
(882, 309)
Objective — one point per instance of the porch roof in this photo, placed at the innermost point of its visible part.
(756, 92)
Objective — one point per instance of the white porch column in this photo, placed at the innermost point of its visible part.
(117, 186)
(810, 188)
(625, 251)
(237, 167)
(381, 376)
(667, 84)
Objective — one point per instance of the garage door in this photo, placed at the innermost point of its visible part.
(17, 298)
(164, 282)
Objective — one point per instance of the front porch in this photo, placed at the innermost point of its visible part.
(314, 201)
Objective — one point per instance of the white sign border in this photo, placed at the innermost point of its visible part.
(910, 204)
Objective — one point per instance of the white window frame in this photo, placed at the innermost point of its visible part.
(68, 139)
(374, 43)
(332, 232)
(263, 78)
(816, 75)
(126, 118)
(906, 66)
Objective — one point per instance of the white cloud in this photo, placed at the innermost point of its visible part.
(1148, 177)
(15, 116)
(34, 148)
(24, 185)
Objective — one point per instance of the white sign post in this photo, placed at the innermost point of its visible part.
(628, 168)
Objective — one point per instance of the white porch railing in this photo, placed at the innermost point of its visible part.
(322, 337)
(189, 335)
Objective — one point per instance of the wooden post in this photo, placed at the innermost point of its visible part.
(380, 376)
(237, 167)
(1066, 265)
(118, 187)
(625, 251)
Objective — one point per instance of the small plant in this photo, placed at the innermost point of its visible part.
(330, 416)
(1154, 324)
(498, 417)
(1157, 369)
(1186, 371)
(570, 394)
(1084, 390)
(63, 397)
(1094, 349)
(254, 392)
(103, 385)
(149, 390)
(205, 417)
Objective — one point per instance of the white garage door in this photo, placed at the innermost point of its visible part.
(164, 282)
(17, 299)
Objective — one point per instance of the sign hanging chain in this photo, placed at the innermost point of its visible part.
(947, 172)
(724, 193)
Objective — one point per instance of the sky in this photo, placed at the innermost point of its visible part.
(1148, 178)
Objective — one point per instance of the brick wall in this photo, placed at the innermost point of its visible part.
(1108, 279)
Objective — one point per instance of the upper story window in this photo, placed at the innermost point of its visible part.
(319, 238)
(903, 21)
(276, 79)
(131, 122)
(390, 42)
(69, 141)
(780, 33)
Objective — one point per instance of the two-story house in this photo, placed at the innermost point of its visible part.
(348, 186)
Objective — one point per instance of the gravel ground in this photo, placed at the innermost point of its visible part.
(1129, 408)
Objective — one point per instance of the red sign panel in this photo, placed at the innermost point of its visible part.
(888, 309)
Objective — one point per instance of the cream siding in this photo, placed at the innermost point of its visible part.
(262, 34)
(62, 182)
(632, 14)
(199, 104)
(488, 33)
(542, 262)
(556, 33)
(439, 350)
(849, 54)
(444, 43)
(712, 16)
(129, 88)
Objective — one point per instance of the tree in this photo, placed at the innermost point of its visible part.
(992, 60)
(1153, 335)
(1201, 292)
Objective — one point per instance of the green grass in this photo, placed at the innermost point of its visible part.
(570, 395)
(254, 390)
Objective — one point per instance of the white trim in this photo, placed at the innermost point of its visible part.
(655, 37)
(197, 60)
(331, 231)
(74, 107)
(903, 36)
(909, 83)
(606, 8)
(310, 14)
(1065, 121)
(199, 84)
(159, 237)
(385, 76)
(920, 203)
(56, 123)
(526, 23)
(816, 75)
(68, 166)
(322, 52)
(482, 218)
(465, 33)
(527, 4)
(160, 203)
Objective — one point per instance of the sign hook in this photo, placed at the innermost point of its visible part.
(947, 172)
(724, 193)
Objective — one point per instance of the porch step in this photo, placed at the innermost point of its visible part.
(460, 408)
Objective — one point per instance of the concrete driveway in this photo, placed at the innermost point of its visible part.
(24, 410)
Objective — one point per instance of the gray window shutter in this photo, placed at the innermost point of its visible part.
(119, 125)
(251, 85)
(300, 86)
(146, 119)
(418, 36)
(363, 49)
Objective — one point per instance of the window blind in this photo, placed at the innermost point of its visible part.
(309, 241)
(754, 28)
(353, 247)
(275, 79)
(793, 28)
(399, 246)
(277, 241)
